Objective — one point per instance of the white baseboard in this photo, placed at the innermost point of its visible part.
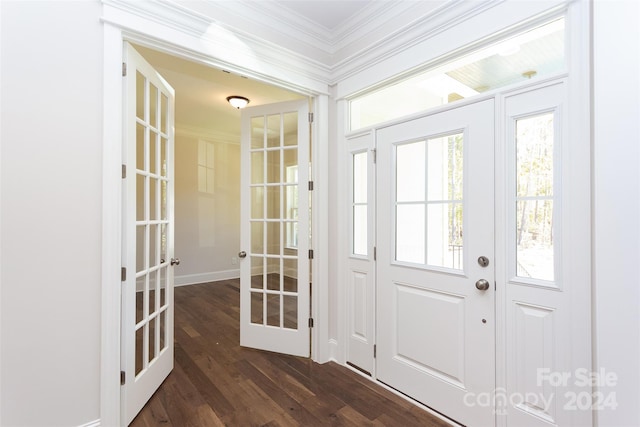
(95, 423)
(193, 279)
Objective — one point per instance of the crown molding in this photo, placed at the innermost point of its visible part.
(295, 45)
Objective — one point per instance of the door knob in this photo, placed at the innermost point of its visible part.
(175, 261)
(482, 285)
(242, 254)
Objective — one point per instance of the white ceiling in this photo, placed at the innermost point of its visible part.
(329, 14)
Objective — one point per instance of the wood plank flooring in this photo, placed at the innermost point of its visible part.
(215, 382)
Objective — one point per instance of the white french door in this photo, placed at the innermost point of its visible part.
(147, 289)
(435, 260)
(274, 235)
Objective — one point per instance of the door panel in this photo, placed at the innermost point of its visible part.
(147, 291)
(274, 273)
(360, 284)
(435, 218)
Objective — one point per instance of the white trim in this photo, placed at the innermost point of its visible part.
(95, 423)
(198, 278)
(111, 227)
(320, 308)
(172, 28)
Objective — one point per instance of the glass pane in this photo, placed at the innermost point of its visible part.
(140, 133)
(274, 277)
(140, 247)
(257, 167)
(273, 238)
(163, 243)
(153, 199)
(164, 105)
(290, 309)
(291, 128)
(153, 240)
(360, 230)
(534, 53)
(153, 161)
(152, 292)
(153, 105)
(152, 339)
(290, 267)
(534, 238)
(444, 168)
(140, 91)
(273, 202)
(257, 202)
(444, 235)
(410, 167)
(139, 348)
(291, 202)
(290, 165)
(534, 145)
(257, 272)
(139, 306)
(360, 178)
(163, 156)
(257, 309)
(140, 197)
(257, 237)
(273, 166)
(163, 287)
(410, 223)
(163, 200)
(257, 132)
(163, 329)
(273, 131)
(291, 235)
(273, 310)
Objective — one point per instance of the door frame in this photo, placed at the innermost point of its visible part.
(155, 37)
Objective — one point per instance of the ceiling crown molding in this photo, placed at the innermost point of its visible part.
(248, 34)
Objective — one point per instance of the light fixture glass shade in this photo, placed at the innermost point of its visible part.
(238, 101)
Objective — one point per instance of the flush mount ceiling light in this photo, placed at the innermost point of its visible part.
(238, 101)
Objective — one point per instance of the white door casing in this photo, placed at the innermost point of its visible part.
(148, 233)
(274, 232)
(435, 329)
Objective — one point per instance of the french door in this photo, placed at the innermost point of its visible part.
(147, 288)
(435, 260)
(274, 235)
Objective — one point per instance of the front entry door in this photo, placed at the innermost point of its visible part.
(435, 288)
(274, 231)
(147, 288)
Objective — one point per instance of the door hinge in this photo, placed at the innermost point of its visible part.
(374, 154)
(123, 274)
(375, 253)
(124, 171)
(310, 253)
(310, 185)
(123, 377)
(311, 322)
(310, 117)
(375, 351)
(124, 69)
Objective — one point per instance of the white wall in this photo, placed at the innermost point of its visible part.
(51, 193)
(207, 222)
(616, 158)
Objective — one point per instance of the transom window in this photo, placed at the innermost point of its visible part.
(533, 53)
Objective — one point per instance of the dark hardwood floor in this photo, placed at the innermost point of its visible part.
(215, 382)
